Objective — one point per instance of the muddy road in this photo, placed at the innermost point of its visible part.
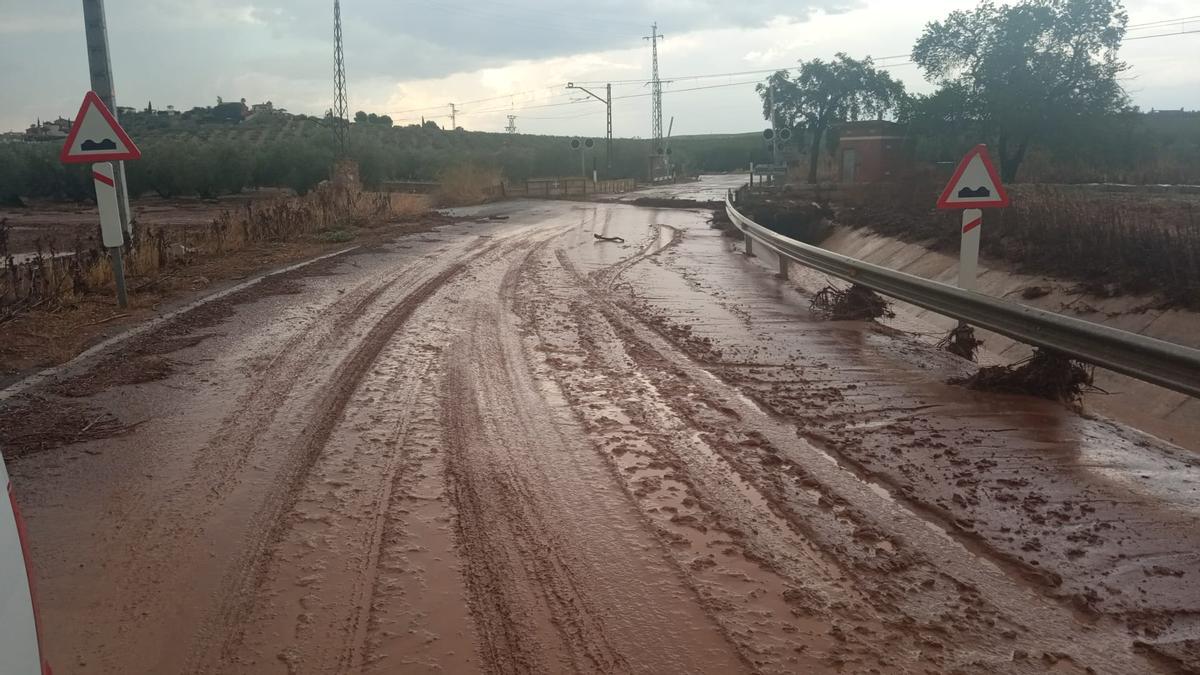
(507, 447)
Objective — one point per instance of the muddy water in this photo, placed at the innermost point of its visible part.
(507, 447)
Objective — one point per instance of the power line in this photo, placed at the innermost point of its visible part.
(738, 73)
(497, 97)
(1159, 35)
(615, 98)
(1155, 24)
(684, 78)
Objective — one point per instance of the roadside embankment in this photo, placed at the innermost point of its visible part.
(1164, 413)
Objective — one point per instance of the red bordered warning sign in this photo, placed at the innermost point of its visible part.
(96, 136)
(975, 184)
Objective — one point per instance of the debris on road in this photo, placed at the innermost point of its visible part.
(857, 303)
(961, 342)
(1046, 374)
(435, 454)
(669, 203)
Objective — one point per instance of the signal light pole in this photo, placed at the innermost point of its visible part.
(607, 101)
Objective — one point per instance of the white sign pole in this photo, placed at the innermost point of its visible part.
(112, 230)
(968, 256)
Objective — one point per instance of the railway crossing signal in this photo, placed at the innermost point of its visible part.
(583, 145)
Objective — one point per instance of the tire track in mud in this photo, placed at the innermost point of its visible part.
(418, 616)
(899, 584)
(222, 634)
(1092, 515)
(276, 381)
(723, 533)
(607, 277)
(562, 575)
(183, 522)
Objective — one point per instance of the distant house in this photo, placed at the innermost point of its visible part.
(48, 131)
(870, 151)
(126, 110)
(229, 112)
(12, 137)
(267, 107)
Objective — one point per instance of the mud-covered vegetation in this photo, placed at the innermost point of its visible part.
(790, 213)
(856, 303)
(1046, 374)
(1145, 241)
(60, 274)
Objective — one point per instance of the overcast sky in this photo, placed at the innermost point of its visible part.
(410, 58)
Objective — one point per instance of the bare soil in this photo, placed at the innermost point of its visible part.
(59, 225)
(508, 447)
(40, 339)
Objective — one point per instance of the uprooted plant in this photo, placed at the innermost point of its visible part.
(856, 303)
(961, 342)
(1046, 374)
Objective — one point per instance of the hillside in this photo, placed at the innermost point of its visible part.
(184, 155)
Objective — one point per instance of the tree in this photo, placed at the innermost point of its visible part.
(360, 117)
(825, 93)
(1026, 72)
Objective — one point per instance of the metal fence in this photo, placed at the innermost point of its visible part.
(420, 187)
(1163, 363)
(567, 187)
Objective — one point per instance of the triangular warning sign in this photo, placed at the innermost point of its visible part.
(975, 184)
(96, 136)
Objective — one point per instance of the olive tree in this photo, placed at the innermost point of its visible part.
(824, 93)
(1022, 74)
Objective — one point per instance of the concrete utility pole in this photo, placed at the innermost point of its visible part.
(607, 101)
(453, 117)
(341, 114)
(100, 72)
(657, 150)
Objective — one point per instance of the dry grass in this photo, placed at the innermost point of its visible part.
(1112, 243)
(50, 279)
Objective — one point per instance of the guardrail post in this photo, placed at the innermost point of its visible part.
(783, 264)
(749, 242)
(1166, 364)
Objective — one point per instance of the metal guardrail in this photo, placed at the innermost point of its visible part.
(1163, 363)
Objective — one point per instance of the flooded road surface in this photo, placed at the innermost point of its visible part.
(508, 447)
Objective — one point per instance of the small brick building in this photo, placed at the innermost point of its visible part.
(870, 152)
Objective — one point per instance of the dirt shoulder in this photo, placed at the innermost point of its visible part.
(62, 224)
(43, 338)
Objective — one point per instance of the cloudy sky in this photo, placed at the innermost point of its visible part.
(410, 58)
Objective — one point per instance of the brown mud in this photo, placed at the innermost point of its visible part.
(510, 448)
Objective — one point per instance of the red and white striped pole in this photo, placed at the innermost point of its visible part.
(112, 232)
(968, 256)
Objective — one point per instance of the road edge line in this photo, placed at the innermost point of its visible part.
(32, 380)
